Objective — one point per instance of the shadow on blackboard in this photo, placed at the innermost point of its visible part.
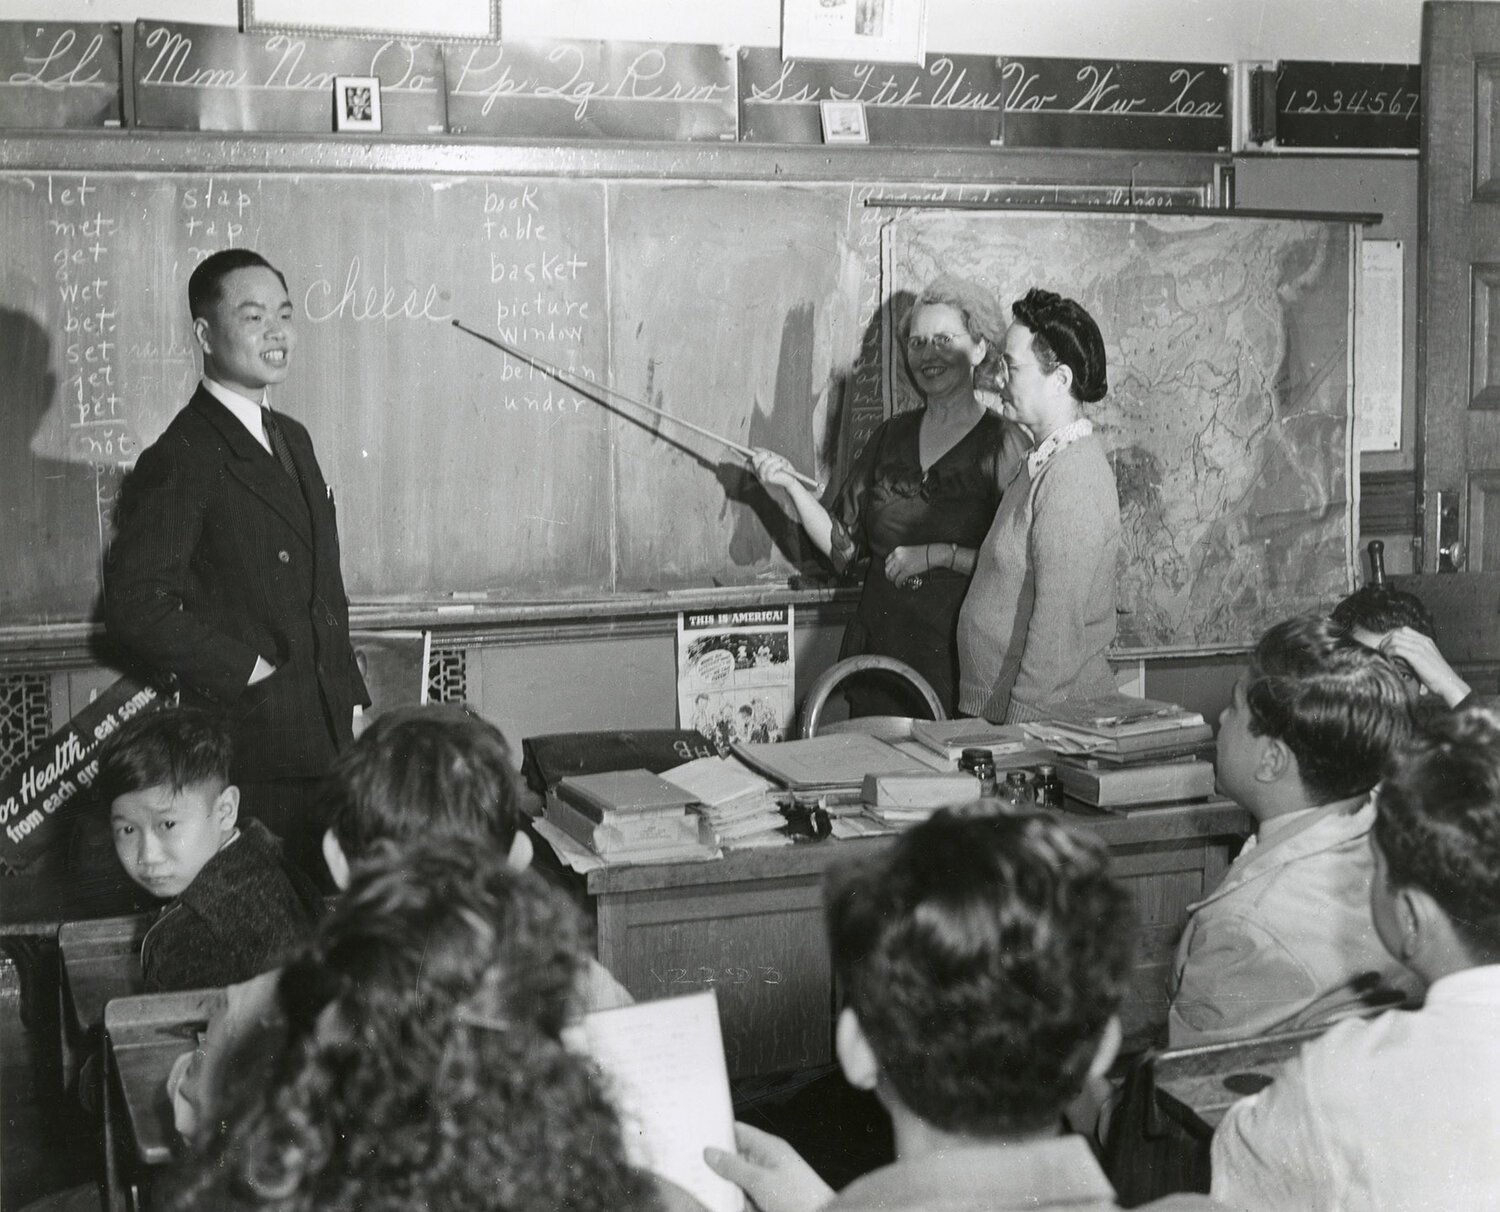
(50, 497)
(856, 405)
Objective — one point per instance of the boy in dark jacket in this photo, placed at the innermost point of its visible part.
(235, 906)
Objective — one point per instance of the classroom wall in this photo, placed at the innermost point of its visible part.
(535, 686)
(1376, 31)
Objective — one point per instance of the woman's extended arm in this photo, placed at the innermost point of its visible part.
(773, 470)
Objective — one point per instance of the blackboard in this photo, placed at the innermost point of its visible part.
(753, 307)
(208, 77)
(953, 100)
(54, 74)
(1375, 106)
(1116, 103)
(591, 90)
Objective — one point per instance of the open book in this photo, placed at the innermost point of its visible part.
(664, 1063)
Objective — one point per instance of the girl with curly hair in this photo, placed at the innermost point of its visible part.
(424, 1067)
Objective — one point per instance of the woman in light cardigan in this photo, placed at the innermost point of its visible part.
(1039, 616)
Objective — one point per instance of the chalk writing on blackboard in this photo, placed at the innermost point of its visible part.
(60, 61)
(954, 100)
(1103, 89)
(1394, 103)
(1084, 103)
(206, 77)
(591, 88)
(1374, 105)
(56, 75)
(82, 242)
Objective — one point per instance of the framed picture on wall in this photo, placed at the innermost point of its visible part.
(844, 122)
(891, 31)
(449, 20)
(356, 103)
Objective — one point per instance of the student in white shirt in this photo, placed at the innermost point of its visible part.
(1401, 1111)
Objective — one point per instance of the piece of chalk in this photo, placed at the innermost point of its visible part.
(465, 608)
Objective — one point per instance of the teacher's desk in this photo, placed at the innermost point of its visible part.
(750, 925)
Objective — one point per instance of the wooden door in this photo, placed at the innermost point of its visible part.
(1458, 346)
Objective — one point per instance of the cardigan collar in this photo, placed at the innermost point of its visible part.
(1056, 440)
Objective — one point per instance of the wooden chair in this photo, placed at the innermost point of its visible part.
(893, 727)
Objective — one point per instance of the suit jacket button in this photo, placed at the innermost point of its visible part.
(284, 556)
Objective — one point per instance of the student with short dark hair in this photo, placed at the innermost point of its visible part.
(983, 957)
(234, 904)
(1286, 939)
(420, 771)
(1399, 625)
(415, 773)
(1401, 1111)
(423, 1066)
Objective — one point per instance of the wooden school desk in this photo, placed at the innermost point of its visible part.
(144, 1035)
(751, 925)
(1196, 1086)
(98, 960)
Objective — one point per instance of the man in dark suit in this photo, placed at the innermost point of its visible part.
(223, 575)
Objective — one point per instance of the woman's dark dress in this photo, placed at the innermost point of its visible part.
(886, 502)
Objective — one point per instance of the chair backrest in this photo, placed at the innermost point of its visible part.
(878, 725)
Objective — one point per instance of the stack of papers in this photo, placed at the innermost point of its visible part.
(949, 738)
(835, 762)
(1122, 729)
(739, 806)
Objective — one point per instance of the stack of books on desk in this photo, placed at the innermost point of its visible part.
(1123, 730)
(1117, 785)
(738, 806)
(899, 800)
(628, 816)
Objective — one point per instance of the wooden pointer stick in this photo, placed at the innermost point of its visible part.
(583, 387)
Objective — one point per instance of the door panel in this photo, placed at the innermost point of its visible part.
(1458, 348)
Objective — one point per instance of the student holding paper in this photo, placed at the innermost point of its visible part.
(983, 956)
(425, 1066)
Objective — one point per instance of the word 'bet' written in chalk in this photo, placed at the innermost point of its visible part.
(541, 269)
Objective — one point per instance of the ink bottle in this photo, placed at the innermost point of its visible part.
(1017, 789)
(981, 764)
(1049, 787)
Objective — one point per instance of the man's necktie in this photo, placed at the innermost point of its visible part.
(279, 446)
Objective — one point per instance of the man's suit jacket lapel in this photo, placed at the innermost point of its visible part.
(318, 497)
(257, 468)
